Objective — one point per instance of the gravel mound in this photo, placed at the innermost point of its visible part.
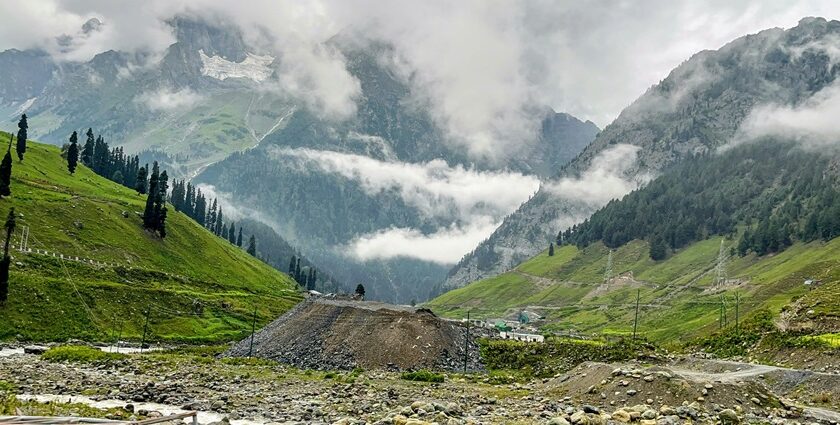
(321, 333)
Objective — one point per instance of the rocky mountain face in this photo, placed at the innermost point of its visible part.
(196, 102)
(699, 106)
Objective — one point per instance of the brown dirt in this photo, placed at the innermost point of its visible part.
(325, 333)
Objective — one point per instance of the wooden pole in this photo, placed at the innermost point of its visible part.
(145, 329)
(636, 319)
(253, 330)
(467, 343)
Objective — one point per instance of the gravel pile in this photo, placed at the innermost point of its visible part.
(321, 333)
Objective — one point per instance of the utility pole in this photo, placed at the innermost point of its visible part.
(720, 268)
(253, 329)
(119, 335)
(145, 329)
(636, 319)
(467, 342)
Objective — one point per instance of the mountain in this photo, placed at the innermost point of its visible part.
(320, 184)
(755, 227)
(212, 102)
(93, 271)
(697, 108)
(195, 103)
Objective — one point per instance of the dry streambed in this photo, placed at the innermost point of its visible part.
(249, 392)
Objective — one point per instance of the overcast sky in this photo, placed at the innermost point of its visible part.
(494, 59)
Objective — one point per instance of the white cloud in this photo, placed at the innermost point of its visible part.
(485, 67)
(167, 99)
(445, 246)
(813, 123)
(603, 181)
(434, 188)
(472, 202)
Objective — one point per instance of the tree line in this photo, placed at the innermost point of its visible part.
(776, 192)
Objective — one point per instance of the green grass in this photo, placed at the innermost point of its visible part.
(422, 376)
(79, 354)
(676, 295)
(198, 288)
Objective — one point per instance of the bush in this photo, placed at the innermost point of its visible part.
(80, 353)
(556, 355)
(734, 341)
(422, 376)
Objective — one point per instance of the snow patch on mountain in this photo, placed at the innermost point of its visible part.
(24, 106)
(254, 67)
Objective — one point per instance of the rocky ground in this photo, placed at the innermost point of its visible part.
(325, 333)
(258, 391)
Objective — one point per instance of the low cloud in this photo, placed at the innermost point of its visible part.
(166, 100)
(317, 76)
(812, 123)
(445, 246)
(603, 181)
(472, 202)
(434, 188)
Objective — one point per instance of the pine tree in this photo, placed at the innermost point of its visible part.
(252, 246)
(149, 214)
(298, 277)
(239, 238)
(360, 290)
(231, 234)
(657, 249)
(6, 261)
(23, 126)
(87, 150)
(73, 153)
(551, 249)
(6, 171)
(220, 220)
(141, 183)
(162, 222)
(291, 266)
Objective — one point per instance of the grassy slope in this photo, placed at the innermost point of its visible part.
(675, 294)
(88, 216)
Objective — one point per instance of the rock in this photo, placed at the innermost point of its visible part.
(453, 409)
(558, 420)
(649, 414)
(756, 401)
(35, 349)
(631, 392)
(621, 415)
(591, 409)
(647, 422)
(648, 378)
(666, 410)
(580, 418)
(728, 416)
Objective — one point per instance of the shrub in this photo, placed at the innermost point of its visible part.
(422, 376)
(80, 353)
(556, 355)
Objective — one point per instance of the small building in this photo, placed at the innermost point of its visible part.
(520, 336)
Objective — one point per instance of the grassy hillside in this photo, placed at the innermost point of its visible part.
(197, 286)
(677, 295)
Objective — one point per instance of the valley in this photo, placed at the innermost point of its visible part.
(420, 213)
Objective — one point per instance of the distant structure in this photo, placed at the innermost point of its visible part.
(608, 272)
(720, 268)
(24, 239)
